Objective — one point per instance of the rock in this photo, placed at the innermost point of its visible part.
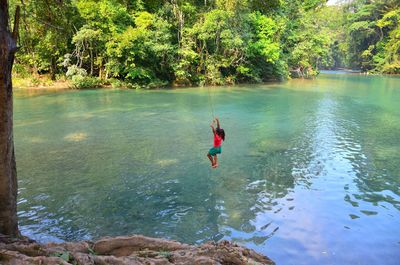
(83, 258)
(128, 250)
(124, 246)
(8, 257)
(26, 248)
(82, 247)
(111, 260)
(205, 261)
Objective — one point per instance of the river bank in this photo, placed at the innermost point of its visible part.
(129, 250)
(43, 82)
(38, 82)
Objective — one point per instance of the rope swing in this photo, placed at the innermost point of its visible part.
(210, 103)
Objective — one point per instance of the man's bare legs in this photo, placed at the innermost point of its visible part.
(211, 159)
(215, 162)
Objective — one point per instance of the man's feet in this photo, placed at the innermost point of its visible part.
(214, 166)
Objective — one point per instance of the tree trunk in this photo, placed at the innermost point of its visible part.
(91, 60)
(8, 172)
(101, 69)
(53, 68)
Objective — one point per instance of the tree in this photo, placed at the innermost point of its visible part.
(388, 59)
(46, 31)
(371, 34)
(306, 43)
(263, 51)
(8, 171)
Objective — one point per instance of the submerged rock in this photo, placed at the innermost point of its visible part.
(127, 250)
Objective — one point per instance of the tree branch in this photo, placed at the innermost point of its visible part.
(16, 23)
(3, 15)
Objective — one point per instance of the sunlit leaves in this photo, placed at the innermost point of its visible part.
(192, 42)
(373, 41)
(267, 43)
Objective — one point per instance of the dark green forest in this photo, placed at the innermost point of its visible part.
(157, 43)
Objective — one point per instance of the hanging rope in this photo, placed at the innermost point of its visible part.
(210, 102)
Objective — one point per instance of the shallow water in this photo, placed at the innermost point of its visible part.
(309, 174)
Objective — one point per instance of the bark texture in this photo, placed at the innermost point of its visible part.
(8, 172)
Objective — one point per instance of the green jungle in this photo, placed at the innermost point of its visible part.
(155, 43)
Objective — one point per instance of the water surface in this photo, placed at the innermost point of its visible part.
(309, 174)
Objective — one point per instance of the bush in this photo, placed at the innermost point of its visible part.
(74, 70)
(35, 81)
(85, 82)
(116, 83)
(21, 70)
(393, 68)
(80, 79)
(156, 84)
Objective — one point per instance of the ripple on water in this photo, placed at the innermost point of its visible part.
(312, 170)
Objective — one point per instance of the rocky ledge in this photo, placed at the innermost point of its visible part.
(132, 250)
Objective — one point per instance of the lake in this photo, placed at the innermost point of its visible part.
(309, 171)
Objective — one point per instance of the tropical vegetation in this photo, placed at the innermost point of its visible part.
(157, 43)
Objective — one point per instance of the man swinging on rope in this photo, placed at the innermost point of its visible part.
(219, 136)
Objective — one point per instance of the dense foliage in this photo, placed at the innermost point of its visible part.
(194, 42)
(372, 40)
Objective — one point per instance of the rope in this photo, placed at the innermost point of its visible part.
(210, 102)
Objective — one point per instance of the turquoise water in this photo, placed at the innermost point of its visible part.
(309, 174)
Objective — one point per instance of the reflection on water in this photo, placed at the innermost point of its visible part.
(309, 172)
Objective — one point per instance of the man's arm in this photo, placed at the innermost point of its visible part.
(217, 120)
(212, 127)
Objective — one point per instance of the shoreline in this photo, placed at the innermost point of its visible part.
(26, 84)
(129, 250)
